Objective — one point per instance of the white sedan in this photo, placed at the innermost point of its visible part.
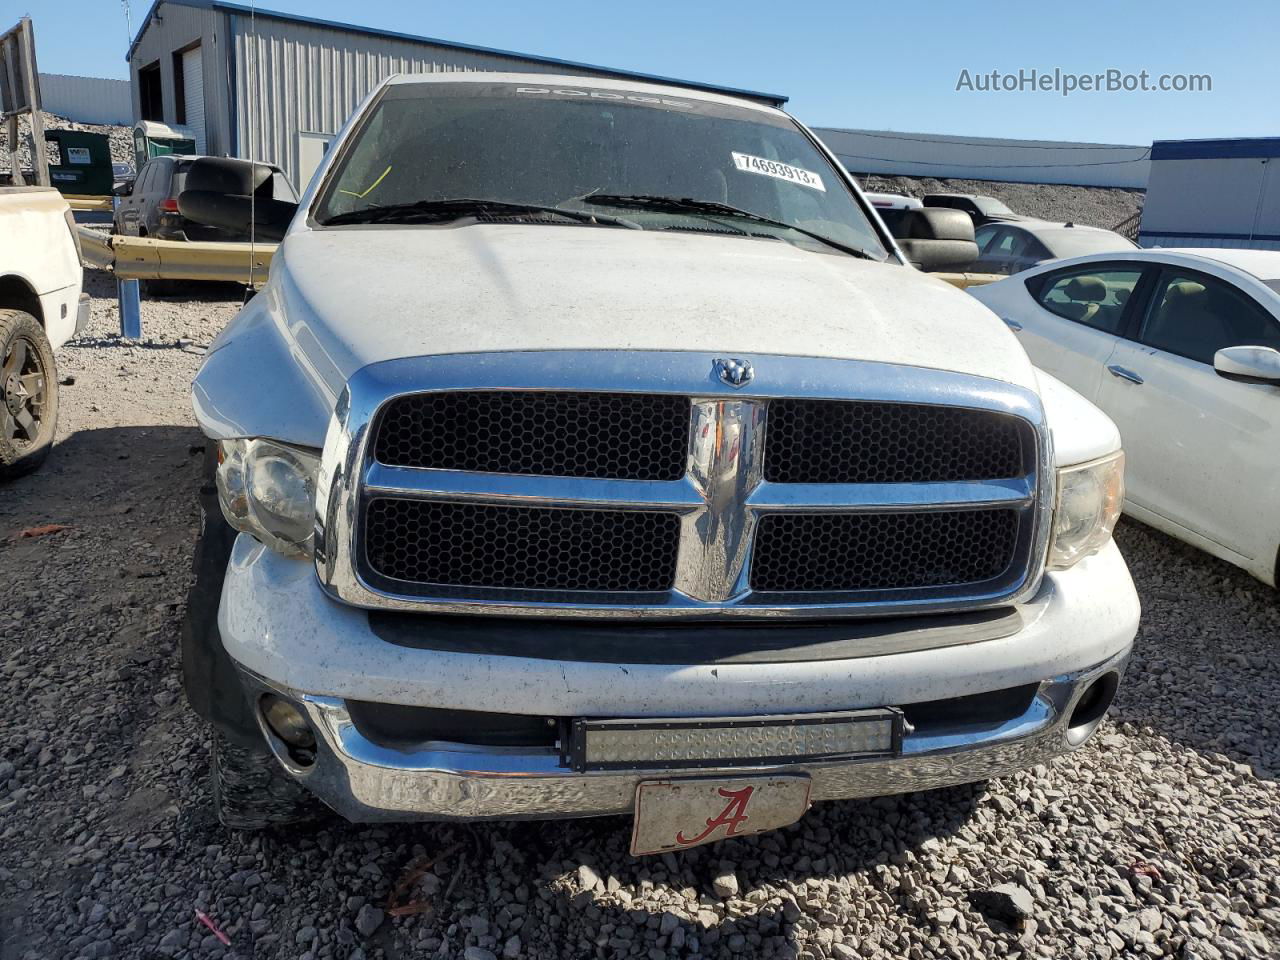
(1182, 349)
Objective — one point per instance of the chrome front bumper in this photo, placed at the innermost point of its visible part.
(365, 782)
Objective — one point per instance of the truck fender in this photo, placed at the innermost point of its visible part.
(259, 381)
(1081, 431)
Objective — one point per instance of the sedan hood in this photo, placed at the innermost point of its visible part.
(355, 296)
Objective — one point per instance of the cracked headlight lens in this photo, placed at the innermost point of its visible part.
(1089, 499)
(268, 489)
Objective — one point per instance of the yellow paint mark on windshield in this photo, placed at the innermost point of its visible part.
(361, 196)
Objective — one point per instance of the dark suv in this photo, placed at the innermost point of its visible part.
(149, 206)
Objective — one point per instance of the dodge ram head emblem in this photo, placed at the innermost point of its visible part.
(734, 372)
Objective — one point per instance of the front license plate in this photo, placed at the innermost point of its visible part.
(675, 814)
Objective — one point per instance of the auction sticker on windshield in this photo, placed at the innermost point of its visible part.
(782, 171)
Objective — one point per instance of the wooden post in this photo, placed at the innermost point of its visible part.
(11, 115)
(22, 81)
(40, 154)
(11, 132)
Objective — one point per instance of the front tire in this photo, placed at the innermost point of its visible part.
(252, 792)
(28, 394)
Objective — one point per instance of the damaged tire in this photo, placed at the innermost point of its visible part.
(28, 394)
(252, 792)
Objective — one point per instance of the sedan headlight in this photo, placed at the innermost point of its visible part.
(1089, 499)
(268, 490)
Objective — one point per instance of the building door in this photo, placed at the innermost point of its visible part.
(193, 95)
(150, 99)
(311, 150)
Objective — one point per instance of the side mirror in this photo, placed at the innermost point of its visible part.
(123, 189)
(1248, 364)
(235, 195)
(936, 238)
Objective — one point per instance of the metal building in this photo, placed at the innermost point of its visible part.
(86, 99)
(891, 153)
(280, 86)
(1213, 193)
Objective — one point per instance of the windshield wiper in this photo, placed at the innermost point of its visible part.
(454, 208)
(714, 208)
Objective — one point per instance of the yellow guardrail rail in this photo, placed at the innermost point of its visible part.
(93, 204)
(966, 280)
(144, 258)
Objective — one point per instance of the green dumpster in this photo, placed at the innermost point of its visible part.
(85, 162)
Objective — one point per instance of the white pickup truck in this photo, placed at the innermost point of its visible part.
(593, 449)
(41, 307)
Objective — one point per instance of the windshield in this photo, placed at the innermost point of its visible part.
(991, 207)
(560, 147)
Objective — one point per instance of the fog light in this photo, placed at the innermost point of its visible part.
(287, 722)
(1091, 708)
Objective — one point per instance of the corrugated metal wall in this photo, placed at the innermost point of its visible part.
(1225, 201)
(298, 77)
(86, 99)
(891, 153)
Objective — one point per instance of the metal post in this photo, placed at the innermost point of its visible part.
(130, 309)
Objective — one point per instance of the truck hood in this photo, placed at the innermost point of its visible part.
(355, 296)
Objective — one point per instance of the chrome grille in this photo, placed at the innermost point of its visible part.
(824, 488)
(879, 551)
(548, 434)
(840, 441)
(521, 548)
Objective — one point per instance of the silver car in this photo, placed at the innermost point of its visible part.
(1013, 247)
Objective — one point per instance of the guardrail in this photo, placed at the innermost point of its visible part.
(88, 204)
(95, 247)
(142, 258)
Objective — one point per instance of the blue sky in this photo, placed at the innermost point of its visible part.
(886, 65)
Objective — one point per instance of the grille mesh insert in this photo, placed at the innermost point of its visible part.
(881, 551)
(608, 436)
(530, 548)
(836, 441)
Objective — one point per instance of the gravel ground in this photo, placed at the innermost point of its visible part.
(119, 138)
(1093, 206)
(1160, 838)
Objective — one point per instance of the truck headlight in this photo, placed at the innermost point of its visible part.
(1089, 499)
(268, 490)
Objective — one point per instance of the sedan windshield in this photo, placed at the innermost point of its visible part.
(437, 152)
